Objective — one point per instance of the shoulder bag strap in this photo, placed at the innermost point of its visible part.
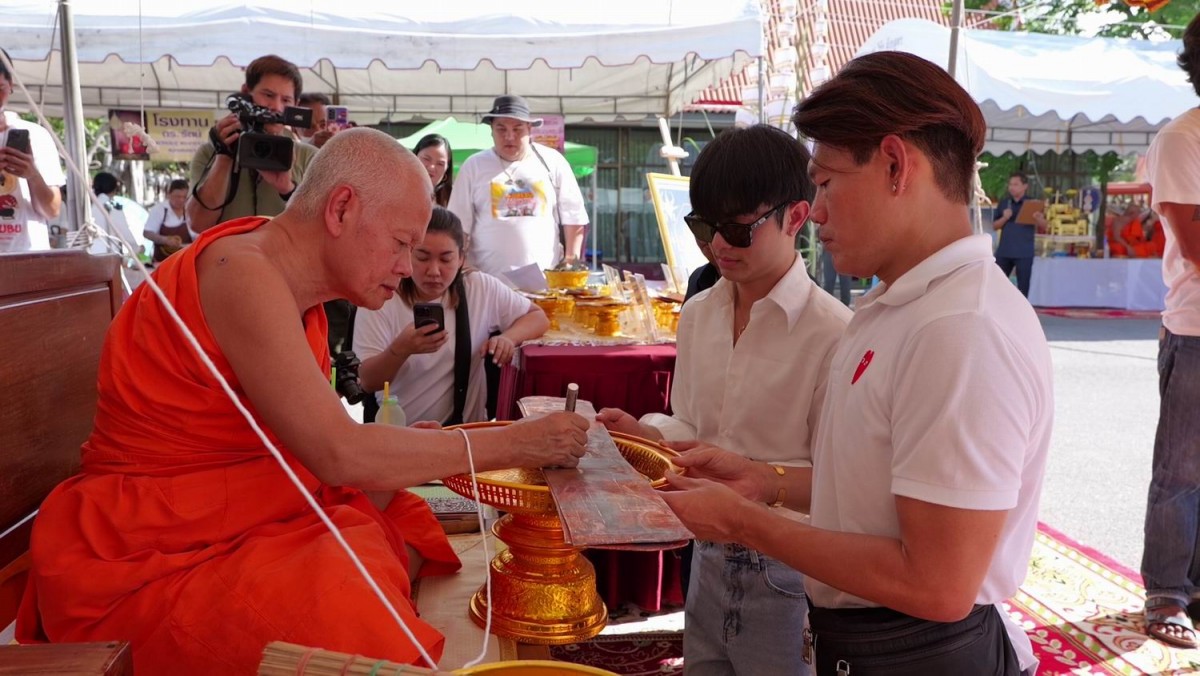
(462, 353)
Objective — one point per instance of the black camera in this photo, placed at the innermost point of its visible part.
(256, 149)
(346, 384)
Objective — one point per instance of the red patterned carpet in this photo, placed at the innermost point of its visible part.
(1097, 313)
(1081, 610)
(628, 655)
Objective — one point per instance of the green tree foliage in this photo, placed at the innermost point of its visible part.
(1073, 17)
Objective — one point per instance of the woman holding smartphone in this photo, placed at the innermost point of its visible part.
(420, 362)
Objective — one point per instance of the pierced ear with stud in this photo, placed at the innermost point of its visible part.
(895, 187)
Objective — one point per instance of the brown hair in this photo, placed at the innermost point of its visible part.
(886, 93)
(273, 65)
(1189, 57)
(310, 98)
(444, 221)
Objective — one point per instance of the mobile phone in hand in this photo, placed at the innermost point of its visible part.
(18, 139)
(337, 117)
(425, 314)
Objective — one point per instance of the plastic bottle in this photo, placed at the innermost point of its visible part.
(390, 413)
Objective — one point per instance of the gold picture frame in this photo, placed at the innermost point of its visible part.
(671, 204)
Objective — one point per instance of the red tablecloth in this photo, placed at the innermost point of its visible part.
(636, 378)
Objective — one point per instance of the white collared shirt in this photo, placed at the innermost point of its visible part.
(940, 391)
(761, 398)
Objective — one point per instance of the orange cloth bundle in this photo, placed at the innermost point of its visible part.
(183, 536)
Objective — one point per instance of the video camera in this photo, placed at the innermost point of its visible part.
(256, 149)
(346, 384)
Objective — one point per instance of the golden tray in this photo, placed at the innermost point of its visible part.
(544, 590)
(524, 490)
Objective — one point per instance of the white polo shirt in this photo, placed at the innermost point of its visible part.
(939, 391)
(763, 397)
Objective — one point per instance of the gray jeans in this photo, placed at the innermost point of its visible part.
(1171, 558)
(745, 615)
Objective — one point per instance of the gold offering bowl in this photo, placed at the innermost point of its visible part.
(549, 305)
(566, 279)
(666, 313)
(604, 315)
(544, 590)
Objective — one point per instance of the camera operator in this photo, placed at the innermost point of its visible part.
(273, 83)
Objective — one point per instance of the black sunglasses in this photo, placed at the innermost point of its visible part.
(740, 235)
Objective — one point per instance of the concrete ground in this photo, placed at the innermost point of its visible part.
(1106, 411)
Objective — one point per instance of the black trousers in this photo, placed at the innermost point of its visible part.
(1024, 268)
(884, 642)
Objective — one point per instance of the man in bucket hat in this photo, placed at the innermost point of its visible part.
(513, 198)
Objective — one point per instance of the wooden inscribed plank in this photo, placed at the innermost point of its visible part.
(605, 501)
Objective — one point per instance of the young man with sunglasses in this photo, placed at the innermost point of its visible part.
(754, 353)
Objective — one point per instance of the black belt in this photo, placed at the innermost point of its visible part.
(879, 641)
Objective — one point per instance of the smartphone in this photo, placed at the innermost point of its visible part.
(430, 313)
(337, 117)
(18, 139)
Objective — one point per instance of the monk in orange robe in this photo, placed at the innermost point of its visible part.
(1136, 233)
(182, 534)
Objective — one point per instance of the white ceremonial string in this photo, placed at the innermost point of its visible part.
(195, 345)
(487, 558)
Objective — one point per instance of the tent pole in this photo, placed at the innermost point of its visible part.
(956, 20)
(762, 111)
(595, 224)
(77, 190)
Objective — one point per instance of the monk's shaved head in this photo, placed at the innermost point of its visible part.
(369, 161)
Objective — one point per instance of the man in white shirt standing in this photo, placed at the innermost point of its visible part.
(1171, 557)
(30, 176)
(753, 357)
(931, 449)
(513, 198)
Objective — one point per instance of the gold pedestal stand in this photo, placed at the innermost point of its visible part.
(544, 590)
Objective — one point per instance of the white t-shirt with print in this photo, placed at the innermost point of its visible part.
(21, 228)
(1173, 168)
(940, 391)
(508, 208)
(424, 385)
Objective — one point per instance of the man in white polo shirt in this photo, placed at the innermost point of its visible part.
(1172, 545)
(754, 355)
(931, 450)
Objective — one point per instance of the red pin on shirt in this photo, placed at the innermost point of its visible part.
(862, 365)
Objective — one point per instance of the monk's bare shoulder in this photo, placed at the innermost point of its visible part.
(237, 269)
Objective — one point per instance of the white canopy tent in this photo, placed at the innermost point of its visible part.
(601, 61)
(1050, 92)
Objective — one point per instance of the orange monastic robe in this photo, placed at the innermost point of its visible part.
(183, 535)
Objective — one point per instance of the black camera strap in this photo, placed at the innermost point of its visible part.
(554, 184)
(462, 352)
(230, 192)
